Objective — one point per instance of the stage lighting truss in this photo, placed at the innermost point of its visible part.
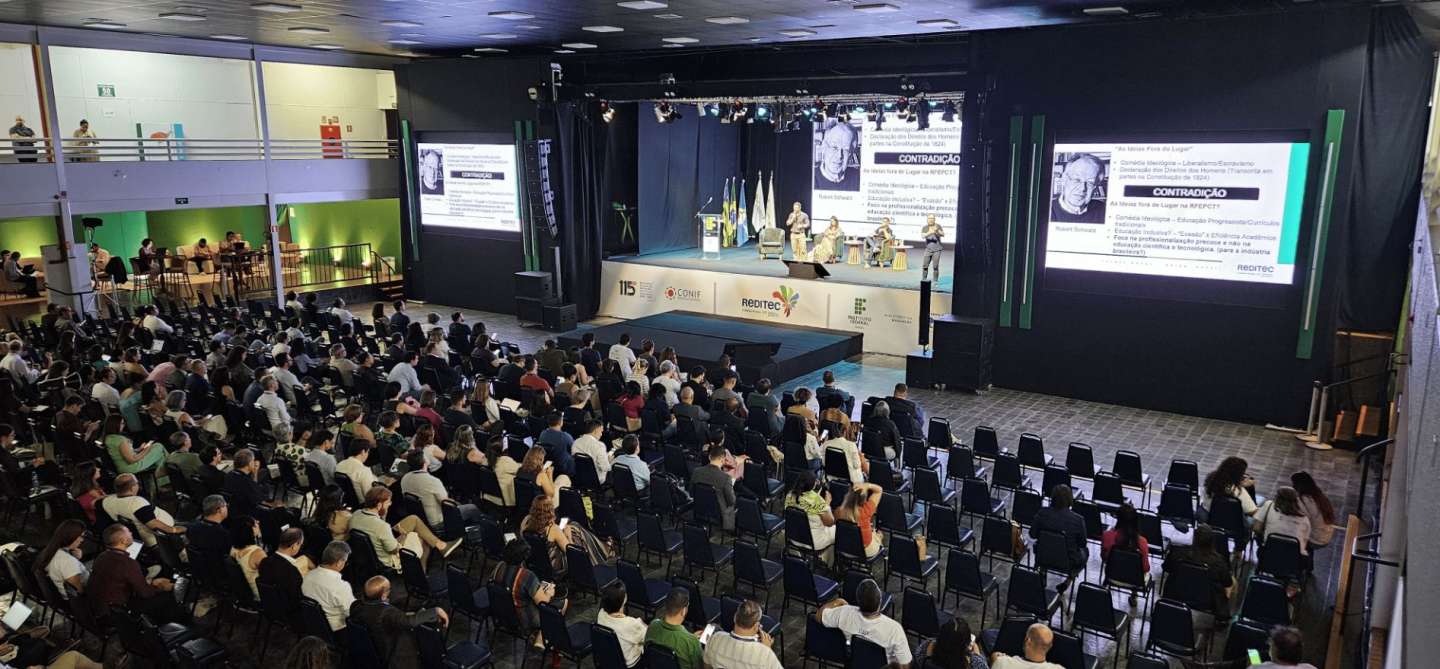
(665, 113)
(606, 111)
(789, 113)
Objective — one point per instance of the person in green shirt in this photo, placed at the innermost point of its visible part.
(181, 458)
(669, 630)
(389, 435)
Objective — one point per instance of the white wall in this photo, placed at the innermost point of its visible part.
(18, 95)
(212, 98)
(298, 96)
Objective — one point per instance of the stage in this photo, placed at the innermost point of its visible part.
(746, 260)
(700, 339)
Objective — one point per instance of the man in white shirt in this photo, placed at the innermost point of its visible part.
(746, 646)
(867, 621)
(404, 374)
(339, 311)
(14, 363)
(355, 467)
(281, 371)
(590, 444)
(1037, 644)
(629, 630)
(621, 353)
(274, 407)
(324, 585)
(128, 504)
(156, 325)
(432, 493)
(340, 362)
(670, 381)
(104, 390)
(319, 453)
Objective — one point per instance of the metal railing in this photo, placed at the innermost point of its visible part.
(168, 149)
(1367, 546)
(381, 269)
(326, 265)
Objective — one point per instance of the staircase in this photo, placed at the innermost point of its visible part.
(392, 290)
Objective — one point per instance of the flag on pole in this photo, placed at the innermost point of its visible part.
(757, 214)
(742, 227)
(725, 213)
(770, 203)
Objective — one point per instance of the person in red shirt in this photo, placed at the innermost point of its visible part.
(531, 379)
(1126, 536)
(633, 400)
(859, 508)
(117, 580)
(427, 411)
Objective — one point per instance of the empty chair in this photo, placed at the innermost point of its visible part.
(605, 646)
(1080, 460)
(1107, 491)
(976, 500)
(866, 654)
(964, 578)
(1280, 557)
(1068, 651)
(890, 515)
(1007, 474)
(1266, 602)
(825, 645)
(1177, 504)
(754, 570)
(1054, 475)
(938, 435)
(1029, 594)
(916, 453)
(804, 586)
(928, 489)
(752, 522)
(1127, 466)
(461, 655)
(942, 528)
(986, 443)
(906, 563)
(571, 642)
(1172, 630)
(919, 614)
(1031, 452)
(1184, 472)
(585, 575)
(998, 539)
(702, 555)
(1024, 505)
(1095, 613)
(654, 539)
(645, 594)
(960, 464)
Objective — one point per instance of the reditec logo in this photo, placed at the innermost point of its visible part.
(783, 300)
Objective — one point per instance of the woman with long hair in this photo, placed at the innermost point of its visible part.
(1202, 551)
(60, 560)
(1230, 479)
(953, 648)
(483, 407)
(859, 507)
(424, 441)
(127, 458)
(462, 447)
(632, 401)
(505, 468)
(1317, 508)
(533, 469)
(240, 373)
(811, 496)
(1284, 515)
(542, 520)
(85, 488)
(331, 514)
(246, 549)
(310, 652)
(1126, 535)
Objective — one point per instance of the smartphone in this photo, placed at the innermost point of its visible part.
(705, 636)
(105, 357)
(564, 522)
(1254, 656)
(284, 527)
(549, 464)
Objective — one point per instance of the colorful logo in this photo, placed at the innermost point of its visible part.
(788, 298)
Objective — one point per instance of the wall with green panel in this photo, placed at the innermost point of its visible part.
(355, 222)
(120, 235)
(27, 235)
(185, 226)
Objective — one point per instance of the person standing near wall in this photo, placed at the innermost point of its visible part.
(24, 151)
(83, 148)
(933, 234)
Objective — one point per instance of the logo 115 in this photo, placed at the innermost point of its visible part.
(627, 287)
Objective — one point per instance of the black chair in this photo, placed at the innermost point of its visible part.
(976, 500)
(1125, 570)
(804, 586)
(465, 600)
(915, 453)
(942, 528)
(314, 622)
(1128, 467)
(570, 642)
(645, 594)
(702, 555)
(1052, 556)
(606, 647)
(883, 475)
(1031, 452)
(1095, 613)
(1177, 503)
(964, 578)
(1280, 557)
(1245, 636)
(1107, 491)
(660, 657)
(586, 576)
(997, 540)
(825, 645)
(707, 506)
(798, 538)
(905, 562)
(751, 521)
(850, 589)
(364, 653)
(1007, 473)
(418, 583)
(890, 515)
(1054, 475)
(1147, 661)
(607, 524)
(504, 619)
(960, 464)
(985, 443)
(1226, 514)
(1266, 602)
(928, 489)
(460, 655)
(1068, 651)
(837, 466)
(754, 570)
(850, 546)
(655, 540)
(866, 654)
(1028, 593)
(703, 610)
(1080, 460)
(919, 614)
(1172, 630)
(1184, 472)
(757, 480)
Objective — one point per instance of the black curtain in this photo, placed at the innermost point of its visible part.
(787, 156)
(1389, 151)
(584, 202)
(681, 165)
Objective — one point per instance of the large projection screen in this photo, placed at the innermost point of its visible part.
(861, 173)
(1227, 211)
(468, 186)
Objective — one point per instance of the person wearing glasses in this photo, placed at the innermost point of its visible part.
(1074, 200)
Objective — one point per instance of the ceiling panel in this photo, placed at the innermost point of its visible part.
(448, 27)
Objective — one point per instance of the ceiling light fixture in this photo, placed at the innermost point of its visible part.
(727, 20)
(404, 42)
(499, 36)
(679, 40)
(643, 4)
(397, 23)
(606, 111)
(580, 45)
(102, 23)
(603, 29)
(876, 8)
(491, 49)
(938, 23)
(327, 47)
(309, 30)
(1111, 10)
(799, 32)
(665, 113)
(668, 17)
(511, 15)
(182, 16)
(229, 37)
(564, 51)
(276, 7)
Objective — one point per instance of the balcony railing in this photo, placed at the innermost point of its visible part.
(133, 149)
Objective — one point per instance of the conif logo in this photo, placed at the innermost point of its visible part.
(788, 298)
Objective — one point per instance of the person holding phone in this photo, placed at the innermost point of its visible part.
(527, 590)
(668, 629)
(745, 646)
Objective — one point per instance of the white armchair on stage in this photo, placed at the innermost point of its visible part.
(772, 243)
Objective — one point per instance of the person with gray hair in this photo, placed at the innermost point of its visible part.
(325, 585)
(391, 628)
(670, 379)
(207, 537)
(175, 402)
(127, 504)
(341, 362)
(181, 460)
(1074, 198)
(746, 645)
(276, 413)
(884, 429)
(835, 148)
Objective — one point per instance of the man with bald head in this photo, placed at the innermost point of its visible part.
(1074, 201)
(1037, 644)
(387, 622)
(835, 149)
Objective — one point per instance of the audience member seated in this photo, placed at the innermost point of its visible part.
(1057, 517)
(659, 408)
(245, 535)
(811, 496)
(1317, 508)
(590, 445)
(629, 630)
(505, 468)
(122, 451)
(1284, 515)
(387, 622)
(906, 413)
(859, 507)
(285, 569)
(526, 590)
(244, 491)
(462, 447)
(331, 512)
(410, 533)
(880, 424)
(562, 533)
(668, 630)
(687, 408)
(325, 585)
(208, 535)
(127, 504)
(355, 468)
(389, 436)
(557, 442)
(669, 378)
(858, 465)
(1037, 646)
(746, 645)
(1126, 535)
(1287, 649)
(763, 402)
(1230, 479)
(535, 469)
(865, 619)
(116, 580)
(715, 475)
(1202, 551)
(829, 389)
(405, 374)
(61, 560)
(954, 648)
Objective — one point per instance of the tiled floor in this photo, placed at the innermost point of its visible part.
(1157, 436)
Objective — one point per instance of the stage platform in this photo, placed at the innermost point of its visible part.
(700, 339)
(746, 260)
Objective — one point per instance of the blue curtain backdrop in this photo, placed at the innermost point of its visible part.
(681, 165)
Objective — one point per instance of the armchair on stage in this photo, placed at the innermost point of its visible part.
(772, 242)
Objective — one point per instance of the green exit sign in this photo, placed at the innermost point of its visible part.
(105, 90)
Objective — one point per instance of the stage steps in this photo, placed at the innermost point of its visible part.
(392, 290)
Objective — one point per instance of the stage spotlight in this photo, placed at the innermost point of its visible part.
(738, 111)
(922, 112)
(948, 110)
(664, 113)
(606, 111)
(762, 112)
(713, 109)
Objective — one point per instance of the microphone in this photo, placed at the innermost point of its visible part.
(703, 206)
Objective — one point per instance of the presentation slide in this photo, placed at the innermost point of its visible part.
(861, 175)
(1207, 210)
(471, 186)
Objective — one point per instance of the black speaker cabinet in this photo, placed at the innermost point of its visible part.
(559, 317)
(535, 286)
(919, 369)
(962, 351)
(529, 310)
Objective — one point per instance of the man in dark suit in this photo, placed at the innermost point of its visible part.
(208, 535)
(210, 475)
(387, 623)
(399, 320)
(281, 570)
(908, 416)
(696, 382)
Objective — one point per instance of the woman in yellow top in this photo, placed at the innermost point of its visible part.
(830, 243)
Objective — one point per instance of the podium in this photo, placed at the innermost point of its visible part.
(711, 227)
